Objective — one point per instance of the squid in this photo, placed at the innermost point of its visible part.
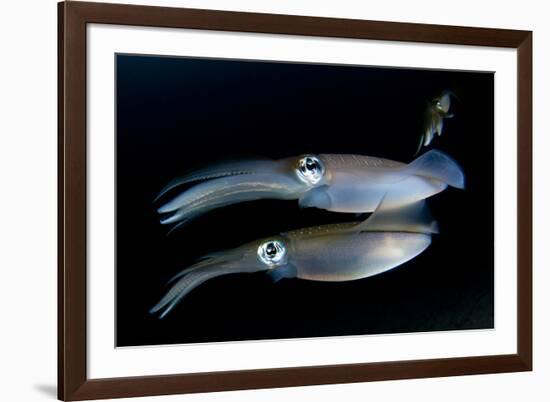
(437, 110)
(333, 182)
(333, 253)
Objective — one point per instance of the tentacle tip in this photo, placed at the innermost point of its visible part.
(177, 226)
(163, 314)
(163, 209)
(155, 313)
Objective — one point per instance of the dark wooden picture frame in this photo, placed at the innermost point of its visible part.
(73, 17)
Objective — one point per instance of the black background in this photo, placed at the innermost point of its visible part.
(178, 114)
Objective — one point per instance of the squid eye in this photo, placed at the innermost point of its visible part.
(310, 169)
(272, 252)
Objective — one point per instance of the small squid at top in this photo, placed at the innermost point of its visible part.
(339, 183)
(438, 109)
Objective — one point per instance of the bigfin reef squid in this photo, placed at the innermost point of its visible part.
(333, 253)
(333, 182)
(437, 110)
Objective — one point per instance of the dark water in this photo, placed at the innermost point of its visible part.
(177, 114)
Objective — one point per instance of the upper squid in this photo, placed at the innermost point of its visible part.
(339, 183)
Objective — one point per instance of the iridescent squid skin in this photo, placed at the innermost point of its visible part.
(334, 253)
(339, 183)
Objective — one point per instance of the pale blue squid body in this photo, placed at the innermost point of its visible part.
(339, 183)
(334, 253)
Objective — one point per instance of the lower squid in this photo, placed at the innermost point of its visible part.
(333, 253)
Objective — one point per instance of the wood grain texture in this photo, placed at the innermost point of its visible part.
(73, 383)
(525, 200)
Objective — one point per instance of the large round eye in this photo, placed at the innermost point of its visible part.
(272, 252)
(310, 169)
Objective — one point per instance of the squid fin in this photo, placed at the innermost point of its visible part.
(414, 218)
(438, 166)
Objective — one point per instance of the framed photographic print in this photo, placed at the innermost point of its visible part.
(252, 200)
